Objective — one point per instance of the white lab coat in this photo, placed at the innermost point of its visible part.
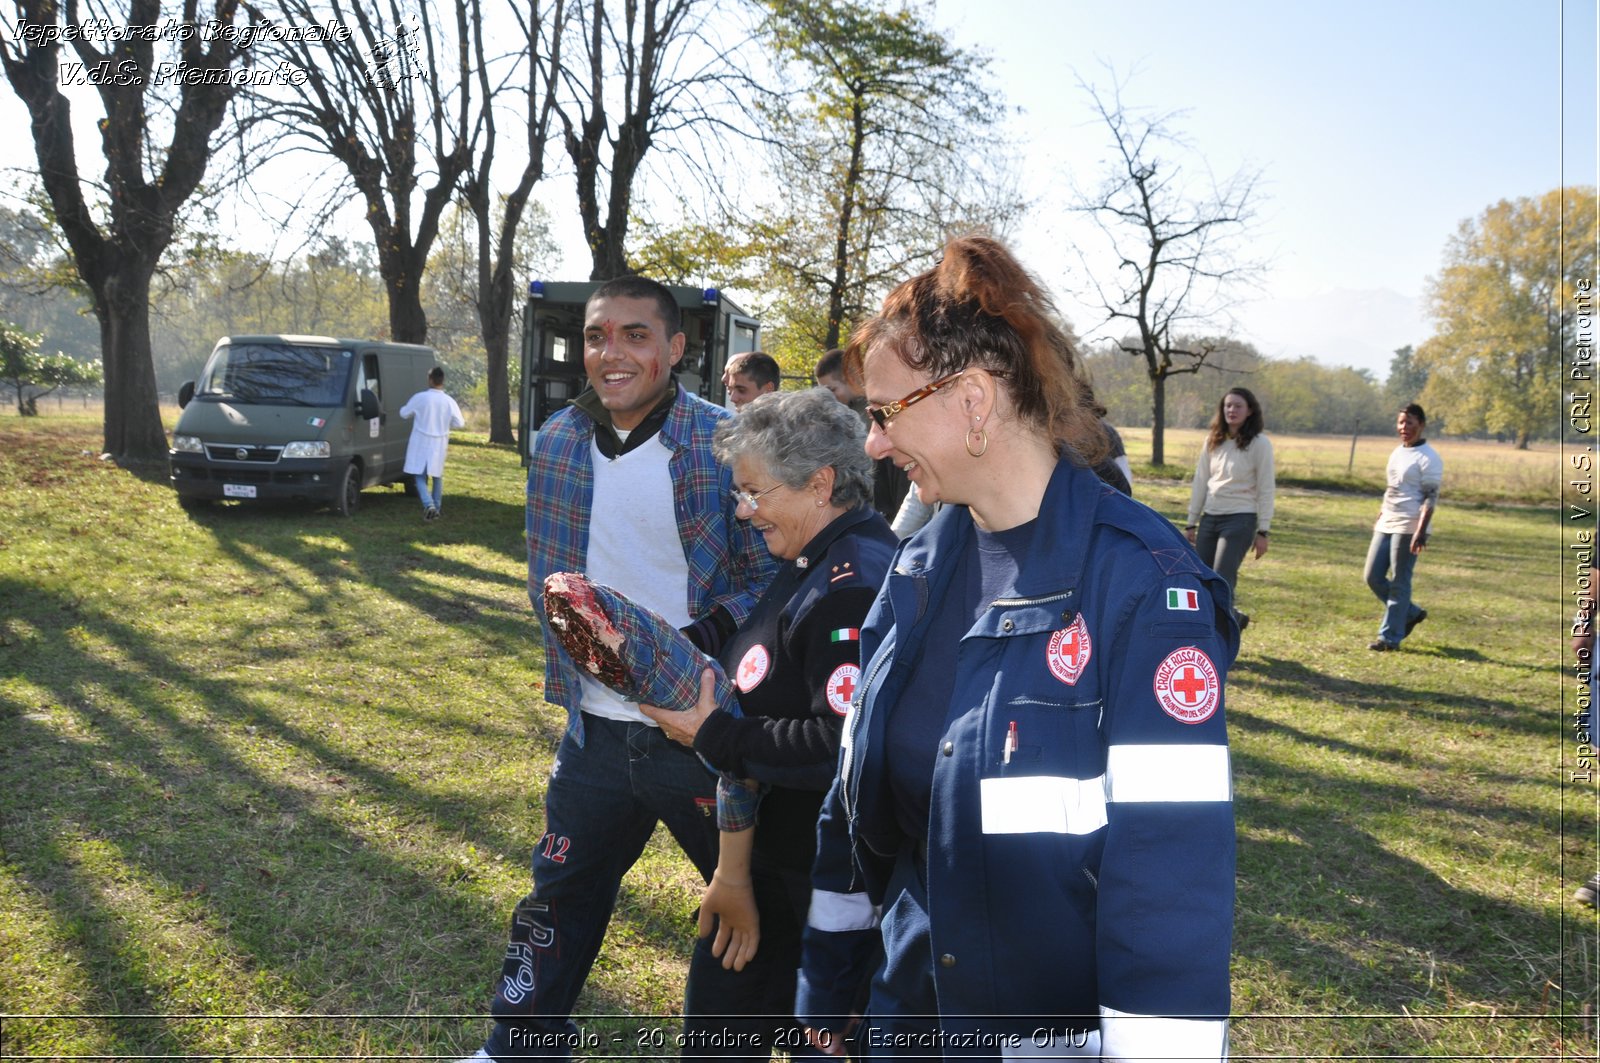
(436, 413)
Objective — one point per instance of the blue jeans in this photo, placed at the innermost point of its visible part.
(429, 500)
(602, 805)
(1390, 552)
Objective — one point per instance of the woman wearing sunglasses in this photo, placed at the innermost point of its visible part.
(802, 479)
(1034, 788)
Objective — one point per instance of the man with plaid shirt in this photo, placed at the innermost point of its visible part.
(624, 488)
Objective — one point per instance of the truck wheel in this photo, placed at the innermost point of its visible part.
(348, 496)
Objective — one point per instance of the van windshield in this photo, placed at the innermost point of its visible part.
(276, 374)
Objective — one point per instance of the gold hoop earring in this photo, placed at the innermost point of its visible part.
(981, 435)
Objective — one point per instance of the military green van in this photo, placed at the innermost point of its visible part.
(286, 417)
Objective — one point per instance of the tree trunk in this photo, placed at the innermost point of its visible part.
(408, 323)
(133, 428)
(494, 319)
(402, 276)
(841, 243)
(1158, 423)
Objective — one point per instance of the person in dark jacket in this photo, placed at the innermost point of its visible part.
(803, 480)
(1034, 787)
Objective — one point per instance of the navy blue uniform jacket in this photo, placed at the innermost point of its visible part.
(1081, 842)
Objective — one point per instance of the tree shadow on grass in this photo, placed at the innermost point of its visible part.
(1331, 899)
(1282, 677)
(287, 851)
(1360, 930)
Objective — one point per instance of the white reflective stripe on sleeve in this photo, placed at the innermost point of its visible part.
(1168, 773)
(1057, 1044)
(1152, 1037)
(1042, 804)
(835, 912)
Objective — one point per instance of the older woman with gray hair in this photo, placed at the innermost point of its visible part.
(803, 479)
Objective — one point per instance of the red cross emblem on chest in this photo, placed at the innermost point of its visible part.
(1068, 651)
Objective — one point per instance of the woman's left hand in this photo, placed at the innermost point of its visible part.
(1261, 546)
(681, 727)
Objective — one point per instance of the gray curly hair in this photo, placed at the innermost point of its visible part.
(795, 433)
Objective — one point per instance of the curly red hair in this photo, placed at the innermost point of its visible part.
(980, 307)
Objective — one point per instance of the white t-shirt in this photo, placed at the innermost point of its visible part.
(1414, 475)
(634, 548)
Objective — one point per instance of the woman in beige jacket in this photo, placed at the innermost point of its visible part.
(1230, 505)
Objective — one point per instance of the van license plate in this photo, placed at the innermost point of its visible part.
(238, 490)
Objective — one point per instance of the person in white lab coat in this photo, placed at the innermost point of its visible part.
(435, 414)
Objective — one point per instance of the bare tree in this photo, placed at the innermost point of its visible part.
(655, 62)
(118, 230)
(393, 101)
(1177, 265)
(540, 44)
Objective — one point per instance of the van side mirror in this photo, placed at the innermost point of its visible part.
(186, 394)
(367, 406)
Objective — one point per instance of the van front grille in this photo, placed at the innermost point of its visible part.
(243, 452)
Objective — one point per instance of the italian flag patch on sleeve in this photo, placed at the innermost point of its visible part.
(846, 634)
(1185, 600)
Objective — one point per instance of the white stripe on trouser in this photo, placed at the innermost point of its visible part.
(1126, 1038)
(1042, 804)
(1168, 773)
(1059, 1044)
(836, 912)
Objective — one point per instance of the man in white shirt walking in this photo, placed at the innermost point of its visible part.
(435, 414)
(1414, 475)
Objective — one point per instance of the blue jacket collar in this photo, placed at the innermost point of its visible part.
(1055, 561)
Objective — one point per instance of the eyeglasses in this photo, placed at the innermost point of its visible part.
(890, 410)
(748, 499)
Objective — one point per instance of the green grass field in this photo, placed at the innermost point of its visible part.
(1478, 471)
(271, 778)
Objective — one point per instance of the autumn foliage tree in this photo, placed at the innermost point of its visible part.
(1501, 303)
(874, 152)
(868, 166)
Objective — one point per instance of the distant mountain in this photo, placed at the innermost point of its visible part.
(1337, 327)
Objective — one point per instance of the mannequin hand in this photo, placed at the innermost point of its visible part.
(731, 906)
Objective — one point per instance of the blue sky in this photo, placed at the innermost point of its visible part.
(1379, 128)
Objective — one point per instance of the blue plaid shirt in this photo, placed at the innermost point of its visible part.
(728, 561)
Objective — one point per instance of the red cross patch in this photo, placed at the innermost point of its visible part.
(752, 669)
(842, 687)
(1068, 651)
(1187, 685)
